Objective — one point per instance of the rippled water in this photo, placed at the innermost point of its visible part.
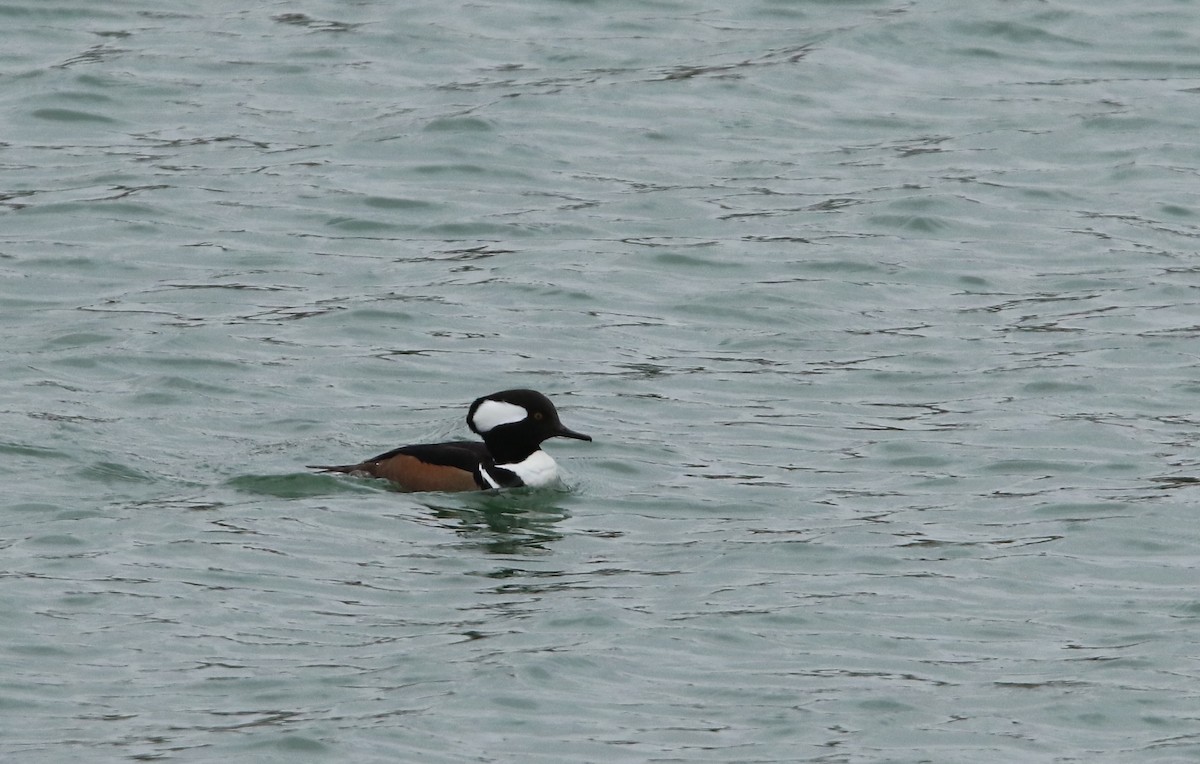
(883, 316)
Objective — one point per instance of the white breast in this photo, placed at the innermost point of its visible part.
(537, 469)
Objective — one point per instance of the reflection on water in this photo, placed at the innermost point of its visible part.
(513, 521)
(300, 485)
(518, 521)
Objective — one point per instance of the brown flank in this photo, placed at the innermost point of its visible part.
(412, 474)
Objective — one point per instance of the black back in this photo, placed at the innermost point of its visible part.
(462, 454)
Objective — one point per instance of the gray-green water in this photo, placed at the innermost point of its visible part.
(884, 316)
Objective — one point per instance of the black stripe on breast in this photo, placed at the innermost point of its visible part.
(502, 477)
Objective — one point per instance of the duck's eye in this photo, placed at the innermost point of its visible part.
(537, 415)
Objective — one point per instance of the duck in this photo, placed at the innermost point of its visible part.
(513, 425)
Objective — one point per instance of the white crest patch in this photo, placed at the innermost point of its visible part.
(491, 414)
(535, 470)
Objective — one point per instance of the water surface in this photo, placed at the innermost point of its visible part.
(883, 317)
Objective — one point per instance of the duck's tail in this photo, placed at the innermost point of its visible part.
(343, 468)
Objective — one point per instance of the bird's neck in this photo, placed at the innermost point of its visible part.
(508, 452)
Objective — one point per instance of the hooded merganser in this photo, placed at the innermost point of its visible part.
(512, 423)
